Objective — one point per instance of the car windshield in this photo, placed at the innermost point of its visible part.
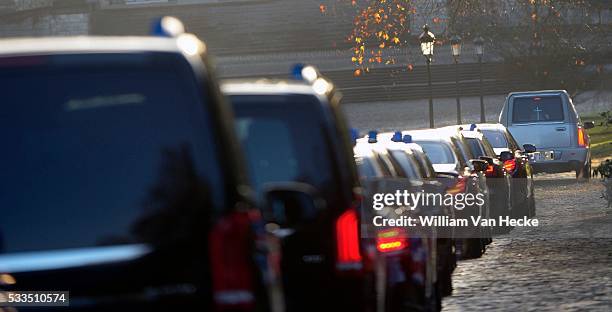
(438, 152)
(95, 154)
(537, 109)
(285, 140)
(496, 138)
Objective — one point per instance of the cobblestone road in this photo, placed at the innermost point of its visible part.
(563, 265)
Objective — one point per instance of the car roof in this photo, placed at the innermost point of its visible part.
(540, 92)
(363, 149)
(266, 86)
(439, 135)
(472, 134)
(490, 126)
(411, 147)
(86, 44)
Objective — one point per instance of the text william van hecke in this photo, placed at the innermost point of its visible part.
(454, 222)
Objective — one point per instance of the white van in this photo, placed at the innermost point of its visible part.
(548, 120)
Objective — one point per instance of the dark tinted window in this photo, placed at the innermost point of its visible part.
(438, 152)
(475, 147)
(537, 109)
(366, 167)
(465, 154)
(285, 139)
(425, 164)
(496, 138)
(407, 165)
(97, 154)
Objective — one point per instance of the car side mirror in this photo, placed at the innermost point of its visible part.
(588, 125)
(289, 204)
(529, 148)
(479, 165)
(505, 155)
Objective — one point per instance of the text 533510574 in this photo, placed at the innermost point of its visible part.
(34, 298)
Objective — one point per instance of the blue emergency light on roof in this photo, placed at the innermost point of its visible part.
(407, 138)
(397, 136)
(167, 26)
(305, 72)
(296, 71)
(372, 136)
(472, 127)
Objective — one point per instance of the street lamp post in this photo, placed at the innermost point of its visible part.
(479, 49)
(427, 40)
(456, 51)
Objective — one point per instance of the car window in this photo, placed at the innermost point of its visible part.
(268, 162)
(421, 165)
(438, 152)
(425, 164)
(475, 147)
(465, 154)
(496, 138)
(487, 147)
(386, 164)
(366, 167)
(97, 154)
(537, 109)
(284, 140)
(407, 165)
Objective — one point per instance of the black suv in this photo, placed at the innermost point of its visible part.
(294, 135)
(125, 184)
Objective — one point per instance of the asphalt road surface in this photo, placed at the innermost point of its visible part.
(565, 264)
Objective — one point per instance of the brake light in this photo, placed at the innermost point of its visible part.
(390, 246)
(490, 171)
(583, 139)
(231, 242)
(347, 241)
(459, 186)
(390, 240)
(510, 165)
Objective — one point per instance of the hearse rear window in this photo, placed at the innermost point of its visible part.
(537, 109)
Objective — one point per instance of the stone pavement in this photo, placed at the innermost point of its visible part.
(535, 269)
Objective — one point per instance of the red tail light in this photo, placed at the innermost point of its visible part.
(390, 240)
(459, 186)
(510, 165)
(583, 139)
(490, 171)
(347, 241)
(231, 242)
